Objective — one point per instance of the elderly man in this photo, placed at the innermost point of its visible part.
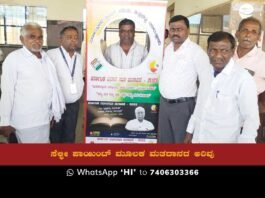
(226, 110)
(247, 54)
(139, 124)
(31, 93)
(252, 58)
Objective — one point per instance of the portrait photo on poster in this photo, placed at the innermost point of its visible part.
(139, 123)
(125, 44)
(123, 118)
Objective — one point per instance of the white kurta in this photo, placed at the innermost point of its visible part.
(115, 55)
(29, 88)
(135, 125)
(225, 105)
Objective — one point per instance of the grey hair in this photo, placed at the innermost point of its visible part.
(250, 19)
(26, 26)
(139, 109)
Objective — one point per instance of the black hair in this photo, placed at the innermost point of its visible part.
(180, 18)
(68, 28)
(220, 36)
(126, 22)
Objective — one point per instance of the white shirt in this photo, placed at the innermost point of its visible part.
(135, 125)
(115, 55)
(181, 68)
(26, 90)
(64, 73)
(225, 104)
(255, 61)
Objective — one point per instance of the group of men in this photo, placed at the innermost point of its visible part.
(225, 109)
(205, 97)
(41, 91)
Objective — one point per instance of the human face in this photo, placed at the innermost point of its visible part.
(178, 32)
(69, 40)
(220, 53)
(140, 115)
(126, 34)
(248, 35)
(33, 40)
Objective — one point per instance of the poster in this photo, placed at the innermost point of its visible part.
(114, 94)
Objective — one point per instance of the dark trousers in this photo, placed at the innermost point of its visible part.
(261, 131)
(64, 131)
(173, 120)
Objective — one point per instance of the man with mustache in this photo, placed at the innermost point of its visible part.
(184, 63)
(248, 54)
(69, 65)
(126, 53)
(31, 93)
(251, 57)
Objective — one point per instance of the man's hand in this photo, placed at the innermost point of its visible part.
(188, 138)
(6, 130)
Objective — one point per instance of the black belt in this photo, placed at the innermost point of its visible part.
(179, 100)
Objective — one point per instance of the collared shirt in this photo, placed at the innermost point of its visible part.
(115, 55)
(254, 61)
(181, 69)
(224, 105)
(26, 90)
(136, 125)
(64, 73)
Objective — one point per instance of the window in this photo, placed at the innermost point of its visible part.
(211, 23)
(12, 18)
(202, 26)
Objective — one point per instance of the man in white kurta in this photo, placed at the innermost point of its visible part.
(247, 54)
(31, 94)
(226, 110)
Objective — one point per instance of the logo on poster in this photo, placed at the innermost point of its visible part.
(153, 66)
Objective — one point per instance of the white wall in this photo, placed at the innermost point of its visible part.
(190, 7)
(69, 10)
